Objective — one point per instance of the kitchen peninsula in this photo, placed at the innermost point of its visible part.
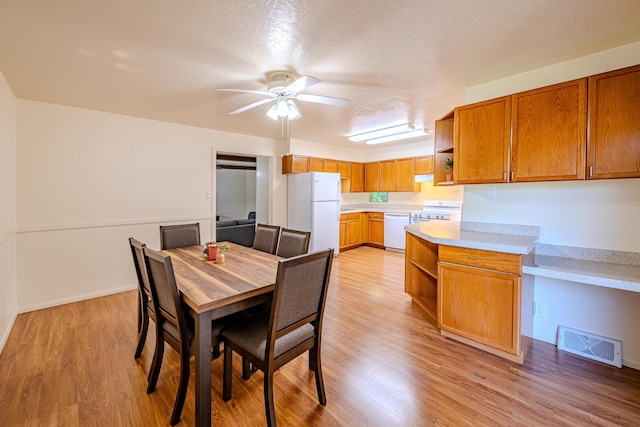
(476, 280)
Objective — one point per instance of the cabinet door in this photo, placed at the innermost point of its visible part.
(344, 168)
(387, 174)
(405, 175)
(482, 134)
(293, 163)
(316, 164)
(371, 179)
(549, 133)
(343, 233)
(480, 305)
(613, 146)
(357, 177)
(353, 232)
(376, 229)
(423, 165)
(330, 165)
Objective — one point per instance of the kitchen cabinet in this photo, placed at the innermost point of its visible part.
(423, 165)
(405, 179)
(482, 136)
(316, 164)
(371, 177)
(421, 274)
(344, 169)
(357, 177)
(387, 175)
(376, 229)
(549, 133)
(350, 230)
(294, 163)
(613, 146)
(479, 299)
(330, 166)
(443, 147)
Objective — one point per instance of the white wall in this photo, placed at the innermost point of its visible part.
(8, 282)
(88, 180)
(235, 193)
(597, 214)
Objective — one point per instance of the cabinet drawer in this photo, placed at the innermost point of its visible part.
(376, 215)
(489, 260)
(353, 217)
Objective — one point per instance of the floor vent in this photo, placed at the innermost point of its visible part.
(596, 347)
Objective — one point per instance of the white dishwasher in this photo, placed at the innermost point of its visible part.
(394, 237)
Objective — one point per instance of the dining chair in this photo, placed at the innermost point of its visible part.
(174, 326)
(179, 236)
(293, 243)
(266, 238)
(291, 327)
(146, 309)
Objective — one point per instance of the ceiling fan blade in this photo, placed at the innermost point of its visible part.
(260, 92)
(250, 106)
(339, 102)
(302, 83)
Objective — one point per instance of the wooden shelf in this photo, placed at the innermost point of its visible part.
(446, 150)
(424, 269)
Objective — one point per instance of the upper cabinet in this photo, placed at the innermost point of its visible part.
(423, 165)
(387, 175)
(443, 145)
(482, 134)
(406, 175)
(584, 128)
(549, 133)
(371, 177)
(294, 163)
(614, 124)
(357, 177)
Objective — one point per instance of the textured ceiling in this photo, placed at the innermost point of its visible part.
(396, 61)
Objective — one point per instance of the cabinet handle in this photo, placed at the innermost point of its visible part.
(512, 175)
(474, 258)
(590, 171)
(504, 176)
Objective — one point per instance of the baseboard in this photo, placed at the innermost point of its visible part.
(5, 335)
(75, 298)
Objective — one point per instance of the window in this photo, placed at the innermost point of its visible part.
(379, 197)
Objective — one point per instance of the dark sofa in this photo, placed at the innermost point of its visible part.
(240, 231)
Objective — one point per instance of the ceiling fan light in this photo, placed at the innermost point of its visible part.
(293, 111)
(282, 108)
(273, 112)
(404, 135)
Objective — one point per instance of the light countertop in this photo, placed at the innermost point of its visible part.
(456, 233)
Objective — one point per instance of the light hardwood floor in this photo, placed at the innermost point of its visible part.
(384, 365)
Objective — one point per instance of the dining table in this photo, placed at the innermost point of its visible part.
(214, 289)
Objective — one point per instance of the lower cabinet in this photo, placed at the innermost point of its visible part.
(479, 299)
(376, 228)
(474, 296)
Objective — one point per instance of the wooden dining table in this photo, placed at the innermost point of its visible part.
(213, 290)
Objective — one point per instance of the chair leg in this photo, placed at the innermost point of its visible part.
(226, 374)
(314, 354)
(182, 388)
(142, 335)
(268, 398)
(156, 364)
(140, 311)
(246, 369)
(215, 351)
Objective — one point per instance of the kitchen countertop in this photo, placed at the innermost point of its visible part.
(380, 208)
(457, 233)
(611, 269)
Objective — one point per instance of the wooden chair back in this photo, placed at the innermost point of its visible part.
(293, 243)
(179, 236)
(266, 238)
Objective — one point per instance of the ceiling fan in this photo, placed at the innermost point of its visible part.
(282, 89)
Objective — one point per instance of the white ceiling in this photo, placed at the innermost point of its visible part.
(396, 61)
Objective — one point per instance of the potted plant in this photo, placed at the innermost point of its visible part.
(223, 247)
(448, 165)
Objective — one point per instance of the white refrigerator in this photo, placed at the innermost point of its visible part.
(314, 205)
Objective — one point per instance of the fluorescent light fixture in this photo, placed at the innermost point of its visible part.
(405, 135)
(393, 130)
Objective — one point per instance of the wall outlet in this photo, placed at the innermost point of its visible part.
(209, 194)
(540, 309)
